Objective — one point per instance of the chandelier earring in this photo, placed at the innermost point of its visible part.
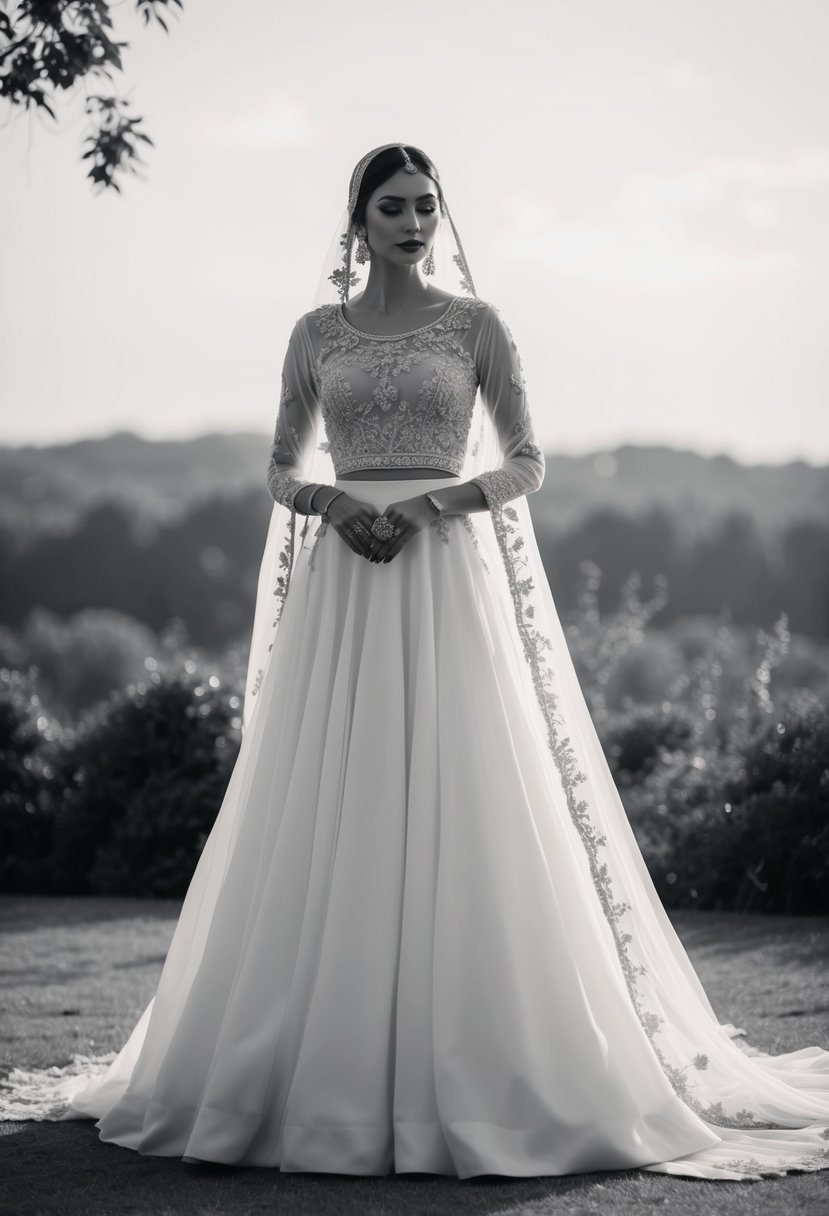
(363, 253)
(429, 262)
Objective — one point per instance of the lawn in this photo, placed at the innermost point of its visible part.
(76, 974)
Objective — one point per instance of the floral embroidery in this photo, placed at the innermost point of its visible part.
(752, 1167)
(466, 282)
(404, 419)
(283, 484)
(320, 532)
(441, 526)
(280, 591)
(470, 527)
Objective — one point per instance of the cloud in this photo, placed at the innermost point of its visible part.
(647, 243)
(697, 188)
(653, 252)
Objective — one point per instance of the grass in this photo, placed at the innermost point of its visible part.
(77, 973)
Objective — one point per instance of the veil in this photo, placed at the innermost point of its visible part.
(746, 1096)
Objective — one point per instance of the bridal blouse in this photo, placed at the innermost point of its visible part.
(405, 400)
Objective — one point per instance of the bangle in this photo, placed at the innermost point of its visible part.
(324, 511)
(434, 501)
(314, 493)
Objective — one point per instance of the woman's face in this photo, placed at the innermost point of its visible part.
(404, 208)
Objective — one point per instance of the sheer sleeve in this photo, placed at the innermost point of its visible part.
(297, 418)
(504, 394)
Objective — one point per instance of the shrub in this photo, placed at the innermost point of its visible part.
(28, 756)
(780, 813)
(142, 785)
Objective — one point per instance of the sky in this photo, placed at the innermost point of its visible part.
(641, 189)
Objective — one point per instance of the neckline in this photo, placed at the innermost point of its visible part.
(390, 337)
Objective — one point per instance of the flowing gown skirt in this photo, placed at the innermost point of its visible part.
(391, 956)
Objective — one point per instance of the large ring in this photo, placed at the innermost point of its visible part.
(382, 528)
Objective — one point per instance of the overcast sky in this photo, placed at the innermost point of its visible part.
(641, 187)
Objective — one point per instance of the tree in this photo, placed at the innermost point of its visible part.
(47, 46)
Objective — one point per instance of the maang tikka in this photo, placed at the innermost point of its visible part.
(363, 253)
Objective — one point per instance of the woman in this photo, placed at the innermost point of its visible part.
(421, 937)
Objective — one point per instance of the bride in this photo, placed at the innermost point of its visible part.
(421, 936)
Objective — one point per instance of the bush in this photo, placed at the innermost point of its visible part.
(28, 756)
(143, 784)
(85, 658)
(124, 803)
(740, 828)
(780, 813)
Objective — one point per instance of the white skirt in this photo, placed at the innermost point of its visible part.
(392, 957)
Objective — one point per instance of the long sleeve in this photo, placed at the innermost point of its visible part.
(504, 394)
(296, 422)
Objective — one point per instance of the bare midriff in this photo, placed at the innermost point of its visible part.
(392, 474)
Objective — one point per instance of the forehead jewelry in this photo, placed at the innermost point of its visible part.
(359, 169)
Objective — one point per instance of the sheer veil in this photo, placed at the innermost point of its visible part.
(770, 1113)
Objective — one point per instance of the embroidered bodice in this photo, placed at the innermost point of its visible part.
(404, 400)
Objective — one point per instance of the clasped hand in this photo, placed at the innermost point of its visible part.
(352, 519)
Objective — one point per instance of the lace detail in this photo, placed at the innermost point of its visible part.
(45, 1093)
(397, 400)
(523, 468)
(470, 527)
(394, 337)
(280, 591)
(441, 526)
(283, 483)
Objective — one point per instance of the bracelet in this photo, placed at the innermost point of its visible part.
(434, 502)
(324, 511)
(321, 485)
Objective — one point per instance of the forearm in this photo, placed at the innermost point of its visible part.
(463, 498)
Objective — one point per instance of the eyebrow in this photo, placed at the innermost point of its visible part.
(398, 199)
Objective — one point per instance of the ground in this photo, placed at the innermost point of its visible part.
(76, 974)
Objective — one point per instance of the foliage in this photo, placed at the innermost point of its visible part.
(47, 46)
(133, 794)
(720, 751)
(83, 659)
(597, 643)
(201, 568)
(729, 806)
(27, 782)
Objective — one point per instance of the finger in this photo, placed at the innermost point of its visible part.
(399, 542)
(394, 543)
(364, 537)
(350, 541)
(375, 544)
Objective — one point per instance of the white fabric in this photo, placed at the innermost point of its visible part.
(421, 928)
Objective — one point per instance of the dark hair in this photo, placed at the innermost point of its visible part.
(384, 165)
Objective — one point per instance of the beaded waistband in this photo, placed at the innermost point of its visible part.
(379, 460)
